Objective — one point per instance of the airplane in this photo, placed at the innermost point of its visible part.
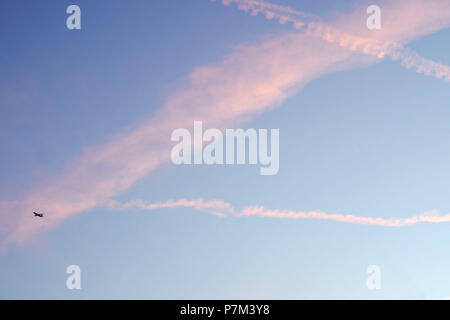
(41, 215)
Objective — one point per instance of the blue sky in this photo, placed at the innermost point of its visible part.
(369, 141)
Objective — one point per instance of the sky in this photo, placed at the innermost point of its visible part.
(85, 123)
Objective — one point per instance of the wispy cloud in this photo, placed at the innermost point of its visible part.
(224, 209)
(273, 11)
(250, 80)
(351, 32)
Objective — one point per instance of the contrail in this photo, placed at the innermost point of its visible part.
(314, 26)
(251, 79)
(272, 11)
(224, 209)
(410, 59)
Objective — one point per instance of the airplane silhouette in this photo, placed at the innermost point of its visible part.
(41, 215)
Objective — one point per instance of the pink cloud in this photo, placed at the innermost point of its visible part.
(250, 80)
(418, 18)
(223, 209)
